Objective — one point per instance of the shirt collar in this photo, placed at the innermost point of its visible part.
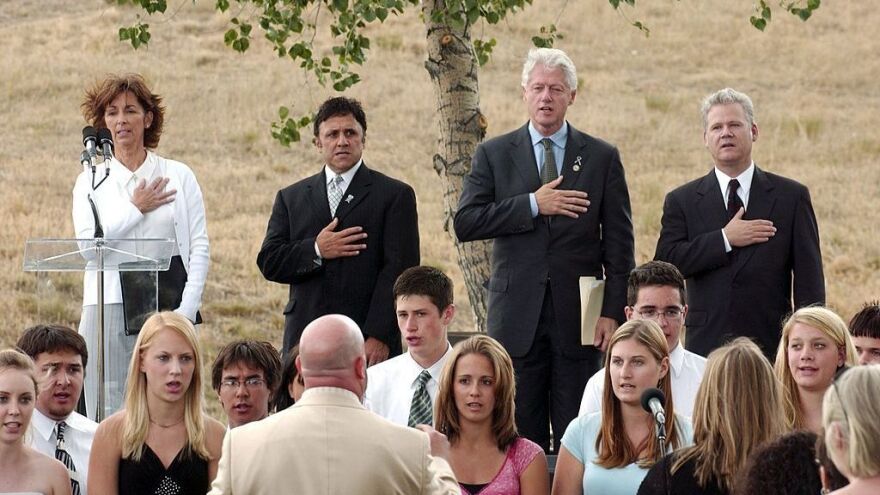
(412, 369)
(676, 359)
(123, 175)
(44, 425)
(745, 179)
(347, 176)
(557, 137)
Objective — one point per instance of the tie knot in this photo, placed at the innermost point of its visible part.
(424, 376)
(734, 185)
(59, 430)
(337, 180)
(547, 143)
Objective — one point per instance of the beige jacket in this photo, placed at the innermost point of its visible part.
(329, 444)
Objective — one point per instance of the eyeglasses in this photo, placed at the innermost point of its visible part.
(671, 313)
(250, 383)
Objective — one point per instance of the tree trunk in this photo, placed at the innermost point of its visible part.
(453, 68)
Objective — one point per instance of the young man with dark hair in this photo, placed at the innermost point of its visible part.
(403, 389)
(60, 356)
(655, 291)
(245, 376)
(865, 330)
(342, 236)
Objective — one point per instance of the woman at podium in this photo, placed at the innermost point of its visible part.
(144, 196)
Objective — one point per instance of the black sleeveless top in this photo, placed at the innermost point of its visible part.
(187, 474)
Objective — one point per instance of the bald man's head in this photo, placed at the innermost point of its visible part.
(331, 354)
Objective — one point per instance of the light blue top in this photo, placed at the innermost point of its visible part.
(580, 441)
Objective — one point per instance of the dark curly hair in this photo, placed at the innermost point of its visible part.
(340, 106)
(786, 466)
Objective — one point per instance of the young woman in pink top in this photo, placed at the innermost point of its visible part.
(475, 410)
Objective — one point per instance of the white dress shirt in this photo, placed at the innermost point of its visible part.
(390, 385)
(121, 219)
(745, 187)
(687, 372)
(78, 438)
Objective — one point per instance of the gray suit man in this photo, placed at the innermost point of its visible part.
(328, 442)
(555, 201)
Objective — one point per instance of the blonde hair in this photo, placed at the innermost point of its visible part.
(827, 322)
(16, 360)
(137, 418)
(446, 416)
(851, 403)
(738, 408)
(612, 443)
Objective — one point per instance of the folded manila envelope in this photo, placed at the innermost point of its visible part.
(592, 294)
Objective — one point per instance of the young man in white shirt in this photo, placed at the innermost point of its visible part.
(424, 307)
(655, 291)
(60, 356)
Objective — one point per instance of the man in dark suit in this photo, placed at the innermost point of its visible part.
(556, 203)
(341, 237)
(745, 239)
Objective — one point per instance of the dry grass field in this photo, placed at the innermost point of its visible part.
(814, 85)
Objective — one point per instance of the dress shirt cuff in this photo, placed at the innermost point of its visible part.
(533, 204)
(318, 258)
(727, 247)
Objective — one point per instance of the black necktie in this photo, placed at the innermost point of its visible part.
(733, 201)
(548, 168)
(65, 458)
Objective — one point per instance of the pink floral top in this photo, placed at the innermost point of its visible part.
(520, 454)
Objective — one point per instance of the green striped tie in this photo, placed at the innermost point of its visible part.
(420, 410)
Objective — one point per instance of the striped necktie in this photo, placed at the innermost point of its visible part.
(420, 412)
(65, 458)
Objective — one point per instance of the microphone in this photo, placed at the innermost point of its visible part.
(90, 140)
(106, 140)
(85, 160)
(652, 401)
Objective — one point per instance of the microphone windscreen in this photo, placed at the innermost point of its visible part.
(652, 393)
(104, 135)
(89, 134)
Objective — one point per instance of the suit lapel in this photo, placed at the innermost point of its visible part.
(761, 201)
(710, 202)
(355, 192)
(318, 197)
(523, 155)
(575, 159)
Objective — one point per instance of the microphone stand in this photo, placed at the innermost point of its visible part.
(99, 316)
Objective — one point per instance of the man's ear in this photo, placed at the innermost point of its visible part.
(447, 314)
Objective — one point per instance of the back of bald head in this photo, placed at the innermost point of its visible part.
(331, 352)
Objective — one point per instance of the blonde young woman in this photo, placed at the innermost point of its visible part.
(815, 344)
(610, 452)
(852, 430)
(738, 408)
(475, 410)
(23, 470)
(161, 441)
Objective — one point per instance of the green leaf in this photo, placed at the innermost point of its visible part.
(641, 27)
(765, 13)
(614, 3)
(340, 5)
(382, 13)
(813, 4)
(245, 29)
(222, 5)
(283, 112)
(230, 36)
(758, 22)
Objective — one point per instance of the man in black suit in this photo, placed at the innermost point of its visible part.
(341, 237)
(556, 203)
(745, 239)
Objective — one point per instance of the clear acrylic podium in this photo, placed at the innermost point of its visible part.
(99, 255)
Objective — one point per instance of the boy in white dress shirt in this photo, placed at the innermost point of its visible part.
(424, 307)
(60, 355)
(655, 291)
